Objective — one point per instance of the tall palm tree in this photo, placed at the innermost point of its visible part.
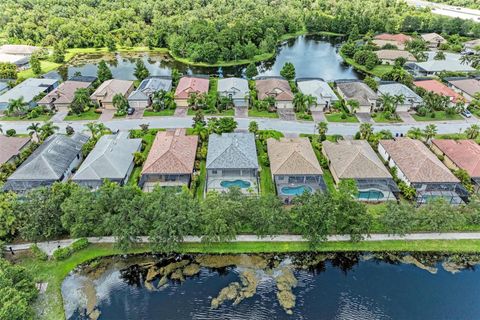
(96, 129)
(47, 130)
(34, 130)
(473, 132)
(386, 100)
(322, 128)
(299, 102)
(17, 106)
(310, 101)
(415, 133)
(430, 132)
(353, 105)
(366, 131)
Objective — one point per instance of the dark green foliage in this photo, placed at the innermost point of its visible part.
(103, 73)
(288, 71)
(8, 71)
(141, 72)
(35, 65)
(251, 71)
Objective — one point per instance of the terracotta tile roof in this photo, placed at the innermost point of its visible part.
(172, 153)
(417, 163)
(401, 38)
(438, 88)
(278, 88)
(394, 54)
(465, 154)
(187, 85)
(292, 156)
(354, 159)
(64, 93)
(11, 146)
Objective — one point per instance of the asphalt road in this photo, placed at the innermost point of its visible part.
(447, 10)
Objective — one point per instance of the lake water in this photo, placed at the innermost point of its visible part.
(323, 286)
(313, 56)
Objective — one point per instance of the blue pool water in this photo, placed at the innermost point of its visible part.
(371, 195)
(295, 191)
(242, 184)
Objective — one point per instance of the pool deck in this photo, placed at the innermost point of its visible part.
(214, 184)
(288, 197)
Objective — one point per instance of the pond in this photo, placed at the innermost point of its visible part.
(313, 56)
(269, 286)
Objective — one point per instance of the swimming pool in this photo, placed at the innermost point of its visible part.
(371, 195)
(242, 184)
(295, 191)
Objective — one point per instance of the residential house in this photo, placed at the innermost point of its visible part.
(19, 49)
(188, 85)
(432, 66)
(232, 162)
(467, 87)
(54, 161)
(433, 40)
(111, 159)
(294, 167)
(460, 154)
(104, 94)
(389, 56)
(171, 160)
(142, 97)
(358, 91)
(319, 89)
(61, 97)
(439, 88)
(411, 99)
(277, 88)
(400, 38)
(11, 147)
(22, 62)
(356, 160)
(419, 168)
(235, 89)
(381, 43)
(28, 90)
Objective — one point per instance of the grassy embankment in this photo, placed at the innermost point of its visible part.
(378, 71)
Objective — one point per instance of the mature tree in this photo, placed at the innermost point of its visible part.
(251, 71)
(47, 129)
(8, 70)
(265, 215)
(34, 130)
(163, 100)
(253, 127)
(8, 217)
(103, 72)
(80, 216)
(399, 218)
(81, 101)
(17, 107)
(58, 54)
(439, 215)
(369, 81)
(110, 43)
(299, 102)
(353, 105)
(473, 131)
(120, 103)
(221, 125)
(366, 130)
(97, 129)
(141, 72)
(288, 71)
(35, 65)
(430, 132)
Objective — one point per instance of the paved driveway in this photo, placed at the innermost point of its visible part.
(319, 116)
(406, 117)
(138, 114)
(241, 112)
(106, 115)
(364, 117)
(59, 116)
(180, 112)
(286, 114)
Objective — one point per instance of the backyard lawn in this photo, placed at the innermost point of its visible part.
(201, 180)
(89, 115)
(266, 182)
(439, 116)
(381, 118)
(337, 117)
(162, 113)
(46, 66)
(378, 71)
(261, 114)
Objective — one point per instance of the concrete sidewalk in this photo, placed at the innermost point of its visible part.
(50, 246)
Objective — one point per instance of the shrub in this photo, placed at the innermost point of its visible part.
(37, 253)
(11, 132)
(422, 111)
(80, 244)
(62, 253)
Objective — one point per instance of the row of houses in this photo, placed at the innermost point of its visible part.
(232, 161)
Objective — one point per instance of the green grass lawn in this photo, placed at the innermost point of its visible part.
(162, 113)
(46, 66)
(226, 113)
(43, 117)
(89, 115)
(378, 71)
(74, 51)
(337, 117)
(261, 114)
(267, 185)
(439, 116)
(381, 118)
(303, 116)
(202, 180)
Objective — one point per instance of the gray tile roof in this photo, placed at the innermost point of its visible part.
(319, 89)
(51, 160)
(451, 63)
(110, 159)
(238, 87)
(232, 151)
(357, 90)
(28, 89)
(149, 86)
(399, 89)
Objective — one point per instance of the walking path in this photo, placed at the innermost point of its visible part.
(50, 246)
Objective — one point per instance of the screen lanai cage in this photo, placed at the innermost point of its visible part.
(453, 193)
(375, 190)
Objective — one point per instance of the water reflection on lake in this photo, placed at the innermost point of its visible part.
(313, 56)
(323, 286)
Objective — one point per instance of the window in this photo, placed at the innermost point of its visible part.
(214, 171)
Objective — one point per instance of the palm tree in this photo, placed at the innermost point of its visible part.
(386, 100)
(97, 129)
(353, 105)
(310, 101)
(366, 131)
(430, 132)
(17, 106)
(47, 130)
(415, 133)
(299, 102)
(322, 128)
(473, 132)
(34, 129)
